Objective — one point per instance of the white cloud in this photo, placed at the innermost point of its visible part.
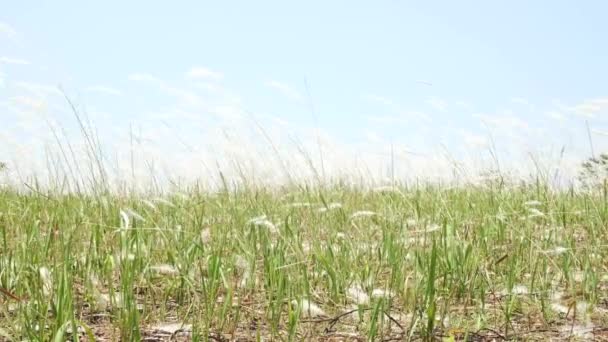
(504, 121)
(2, 80)
(400, 116)
(598, 132)
(10, 60)
(204, 73)
(556, 116)
(474, 140)
(380, 99)
(184, 95)
(373, 137)
(403, 118)
(210, 87)
(418, 115)
(589, 108)
(37, 88)
(285, 89)
(143, 77)
(9, 32)
(104, 90)
(437, 103)
(520, 100)
(463, 104)
(424, 82)
(29, 102)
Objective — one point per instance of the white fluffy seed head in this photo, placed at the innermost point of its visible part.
(149, 204)
(163, 201)
(517, 290)
(164, 269)
(308, 309)
(206, 235)
(356, 294)
(533, 212)
(362, 213)
(124, 220)
(382, 293)
(520, 290)
(557, 250)
(172, 328)
(241, 263)
(432, 228)
(386, 189)
(559, 308)
(300, 205)
(262, 221)
(47, 281)
(532, 203)
(133, 214)
(578, 276)
(330, 206)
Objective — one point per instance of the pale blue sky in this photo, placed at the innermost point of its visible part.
(415, 74)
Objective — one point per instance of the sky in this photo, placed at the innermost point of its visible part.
(277, 90)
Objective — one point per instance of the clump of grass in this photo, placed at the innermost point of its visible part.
(399, 262)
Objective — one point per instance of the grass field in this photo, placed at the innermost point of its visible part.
(333, 263)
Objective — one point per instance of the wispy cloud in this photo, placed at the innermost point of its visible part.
(555, 115)
(10, 60)
(285, 89)
(589, 108)
(424, 82)
(204, 73)
(101, 89)
(379, 99)
(402, 118)
(503, 121)
(143, 77)
(38, 88)
(373, 137)
(437, 103)
(520, 100)
(474, 140)
(29, 102)
(9, 32)
(399, 115)
(184, 95)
